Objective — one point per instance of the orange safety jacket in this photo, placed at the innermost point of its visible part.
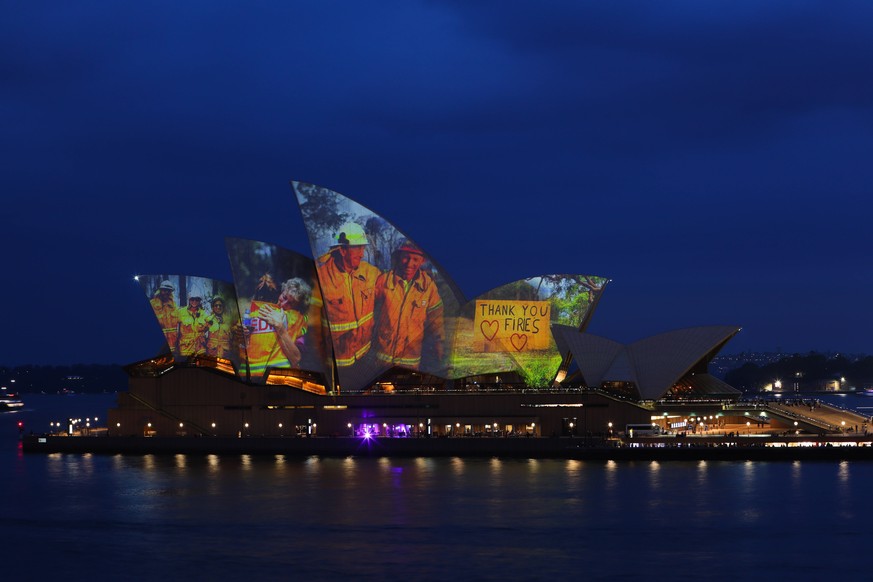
(263, 349)
(192, 331)
(218, 340)
(349, 299)
(407, 312)
(168, 319)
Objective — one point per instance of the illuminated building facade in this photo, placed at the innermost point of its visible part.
(372, 336)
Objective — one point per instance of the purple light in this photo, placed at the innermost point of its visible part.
(367, 434)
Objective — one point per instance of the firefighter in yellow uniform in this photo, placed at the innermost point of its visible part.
(166, 311)
(193, 325)
(410, 311)
(276, 329)
(220, 330)
(348, 288)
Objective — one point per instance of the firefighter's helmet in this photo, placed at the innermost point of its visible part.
(351, 234)
(408, 246)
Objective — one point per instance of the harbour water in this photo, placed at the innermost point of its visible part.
(240, 516)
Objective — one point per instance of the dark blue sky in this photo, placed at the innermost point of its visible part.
(711, 158)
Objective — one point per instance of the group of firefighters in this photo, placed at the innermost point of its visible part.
(190, 330)
(377, 319)
(399, 310)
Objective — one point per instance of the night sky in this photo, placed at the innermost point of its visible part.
(712, 158)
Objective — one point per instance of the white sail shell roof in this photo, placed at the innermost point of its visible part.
(654, 364)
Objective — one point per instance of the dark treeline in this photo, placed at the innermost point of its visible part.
(812, 371)
(78, 378)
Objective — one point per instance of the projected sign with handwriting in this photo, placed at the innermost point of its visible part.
(513, 326)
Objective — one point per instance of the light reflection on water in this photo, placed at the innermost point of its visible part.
(536, 517)
(223, 516)
(457, 466)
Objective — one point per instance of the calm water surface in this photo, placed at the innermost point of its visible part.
(238, 516)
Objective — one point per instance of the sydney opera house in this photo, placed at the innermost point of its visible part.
(369, 336)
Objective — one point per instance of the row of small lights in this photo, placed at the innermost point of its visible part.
(314, 425)
(367, 435)
(349, 425)
(73, 421)
(182, 425)
(384, 424)
(608, 424)
(457, 425)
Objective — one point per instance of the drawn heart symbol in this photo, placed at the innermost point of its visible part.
(489, 329)
(518, 341)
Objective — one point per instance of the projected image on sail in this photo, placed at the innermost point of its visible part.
(387, 302)
(509, 328)
(197, 315)
(281, 306)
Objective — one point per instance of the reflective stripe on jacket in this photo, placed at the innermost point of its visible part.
(407, 314)
(218, 341)
(192, 331)
(349, 299)
(168, 319)
(263, 349)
